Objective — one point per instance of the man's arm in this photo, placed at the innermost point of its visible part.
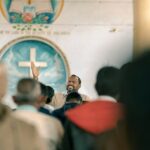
(35, 71)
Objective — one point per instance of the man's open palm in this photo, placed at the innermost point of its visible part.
(35, 70)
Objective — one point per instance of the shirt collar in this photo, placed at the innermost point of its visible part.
(27, 108)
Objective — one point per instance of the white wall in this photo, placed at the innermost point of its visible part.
(91, 33)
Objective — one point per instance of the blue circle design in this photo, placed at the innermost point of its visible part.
(55, 74)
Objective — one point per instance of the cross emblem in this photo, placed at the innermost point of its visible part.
(32, 59)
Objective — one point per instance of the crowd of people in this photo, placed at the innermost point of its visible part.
(119, 119)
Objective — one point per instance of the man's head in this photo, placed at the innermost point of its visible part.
(44, 94)
(28, 91)
(50, 94)
(74, 83)
(3, 80)
(135, 85)
(74, 97)
(107, 82)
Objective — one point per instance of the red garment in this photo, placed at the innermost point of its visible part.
(96, 117)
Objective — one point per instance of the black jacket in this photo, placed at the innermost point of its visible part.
(60, 113)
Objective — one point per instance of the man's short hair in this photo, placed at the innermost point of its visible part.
(74, 95)
(50, 94)
(79, 80)
(43, 89)
(28, 90)
(107, 82)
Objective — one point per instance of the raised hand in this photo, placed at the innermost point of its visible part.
(35, 70)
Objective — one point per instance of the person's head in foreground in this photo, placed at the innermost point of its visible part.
(107, 82)
(28, 92)
(50, 94)
(74, 97)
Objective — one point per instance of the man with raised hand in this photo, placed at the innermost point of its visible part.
(73, 84)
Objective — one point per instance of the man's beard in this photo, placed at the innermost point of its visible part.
(70, 89)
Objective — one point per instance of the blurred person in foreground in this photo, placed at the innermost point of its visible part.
(92, 126)
(50, 94)
(107, 84)
(135, 95)
(47, 93)
(28, 99)
(14, 133)
(73, 100)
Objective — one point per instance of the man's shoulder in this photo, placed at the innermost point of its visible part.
(21, 124)
(85, 97)
(36, 118)
(58, 100)
(30, 138)
(47, 118)
(30, 115)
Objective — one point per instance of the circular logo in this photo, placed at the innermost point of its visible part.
(52, 63)
(31, 11)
